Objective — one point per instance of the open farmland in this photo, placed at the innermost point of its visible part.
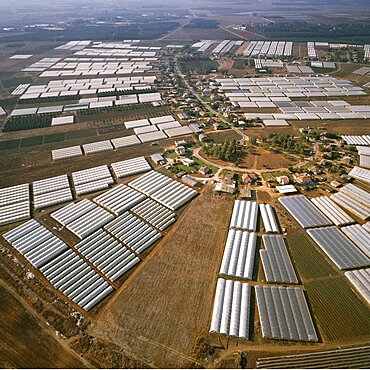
(97, 277)
(341, 314)
(21, 328)
(309, 262)
(172, 289)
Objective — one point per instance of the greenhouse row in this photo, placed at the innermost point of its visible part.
(332, 211)
(41, 201)
(352, 205)
(130, 167)
(360, 174)
(35, 242)
(93, 186)
(133, 232)
(89, 222)
(150, 182)
(239, 254)
(357, 193)
(244, 216)
(71, 275)
(284, 314)
(15, 212)
(304, 212)
(155, 214)
(360, 279)
(98, 146)
(356, 139)
(119, 199)
(269, 219)
(122, 142)
(64, 153)
(231, 309)
(277, 265)
(359, 236)
(73, 211)
(14, 194)
(343, 252)
(107, 254)
(50, 184)
(14, 204)
(174, 195)
(91, 174)
(51, 191)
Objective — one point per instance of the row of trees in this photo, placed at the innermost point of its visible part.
(125, 92)
(49, 99)
(345, 32)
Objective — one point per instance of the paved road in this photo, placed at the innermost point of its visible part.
(244, 137)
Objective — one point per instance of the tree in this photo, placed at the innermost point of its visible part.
(253, 140)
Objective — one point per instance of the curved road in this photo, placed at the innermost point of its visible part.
(233, 168)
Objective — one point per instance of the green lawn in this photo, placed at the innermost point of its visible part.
(198, 164)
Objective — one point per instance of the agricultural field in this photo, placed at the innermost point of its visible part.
(309, 262)
(21, 328)
(158, 314)
(341, 314)
(172, 288)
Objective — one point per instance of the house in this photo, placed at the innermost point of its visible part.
(204, 170)
(207, 92)
(180, 143)
(253, 177)
(180, 150)
(286, 189)
(187, 162)
(335, 184)
(180, 174)
(246, 179)
(283, 180)
(216, 126)
(182, 116)
(303, 179)
(226, 186)
(203, 138)
(158, 159)
(245, 191)
(315, 170)
(190, 181)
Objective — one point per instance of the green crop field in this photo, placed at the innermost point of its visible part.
(9, 144)
(31, 141)
(309, 262)
(340, 313)
(52, 138)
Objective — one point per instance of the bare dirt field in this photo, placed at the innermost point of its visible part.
(162, 312)
(340, 127)
(259, 159)
(26, 341)
(16, 167)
